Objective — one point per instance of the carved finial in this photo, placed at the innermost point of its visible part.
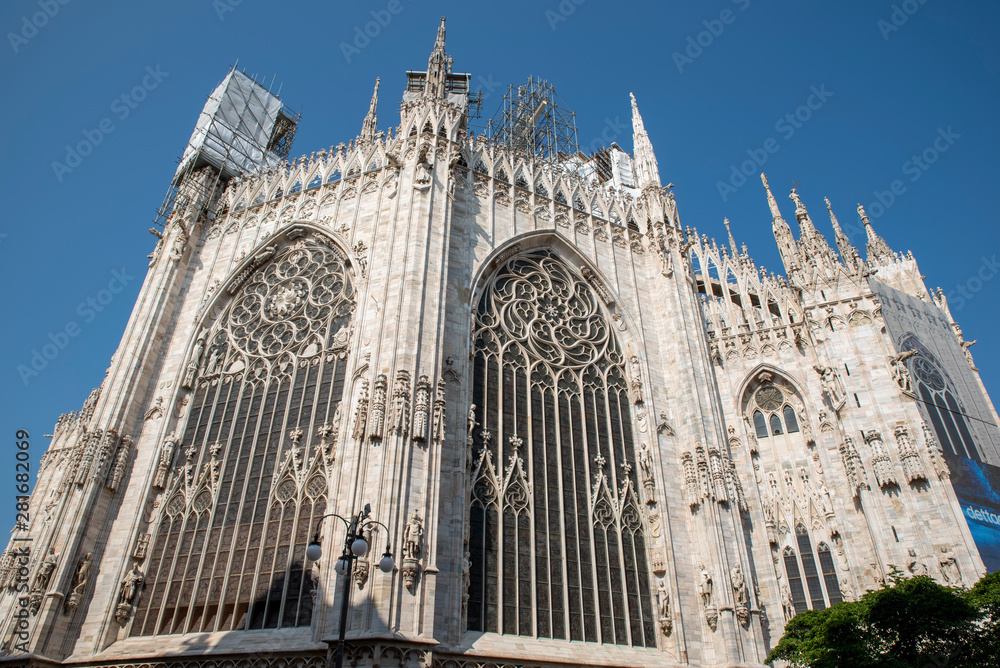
(732, 241)
(370, 125)
(878, 250)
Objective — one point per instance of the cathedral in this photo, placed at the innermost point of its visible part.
(575, 431)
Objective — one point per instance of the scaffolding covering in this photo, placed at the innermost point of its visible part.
(240, 130)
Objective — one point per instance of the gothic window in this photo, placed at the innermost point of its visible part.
(246, 485)
(775, 425)
(759, 424)
(500, 175)
(791, 423)
(829, 574)
(795, 581)
(541, 190)
(557, 544)
(773, 410)
(809, 568)
(937, 392)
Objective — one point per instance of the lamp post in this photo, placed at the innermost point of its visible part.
(355, 546)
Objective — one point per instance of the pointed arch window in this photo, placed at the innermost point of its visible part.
(247, 479)
(795, 581)
(759, 424)
(829, 574)
(791, 422)
(776, 425)
(809, 568)
(557, 546)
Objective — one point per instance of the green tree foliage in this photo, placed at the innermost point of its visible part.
(915, 623)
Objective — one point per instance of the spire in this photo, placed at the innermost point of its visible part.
(438, 67)
(732, 241)
(646, 171)
(878, 250)
(782, 233)
(371, 120)
(801, 214)
(847, 250)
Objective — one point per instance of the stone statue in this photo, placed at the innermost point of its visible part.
(413, 537)
(663, 607)
(166, 457)
(705, 588)
(787, 606)
(192, 367)
(950, 571)
(422, 175)
(213, 360)
(472, 424)
(832, 385)
(45, 569)
(738, 581)
(79, 584)
(635, 372)
(799, 206)
(130, 586)
(645, 462)
(900, 374)
(914, 565)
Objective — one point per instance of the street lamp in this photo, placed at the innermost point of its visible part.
(355, 547)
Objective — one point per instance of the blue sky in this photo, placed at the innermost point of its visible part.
(894, 76)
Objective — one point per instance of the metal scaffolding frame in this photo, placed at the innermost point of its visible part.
(243, 128)
(534, 121)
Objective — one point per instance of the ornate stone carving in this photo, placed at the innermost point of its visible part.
(787, 606)
(635, 378)
(663, 427)
(833, 387)
(646, 473)
(741, 595)
(412, 550)
(78, 586)
(166, 459)
(885, 475)
(117, 473)
(141, 547)
(192, 366)
(376, 420)
(361, 411)
(950, 572)
(705, 591)
(421, 409)
(856, 474)
(913, 466)
(440, 408)
(663, 607)
(155, 411)
(900, 374)
(400, 420)
(913, 564)
(936, 453)
(128, 594)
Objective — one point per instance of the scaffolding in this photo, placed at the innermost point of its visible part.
(243, 128)
(534, 121)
